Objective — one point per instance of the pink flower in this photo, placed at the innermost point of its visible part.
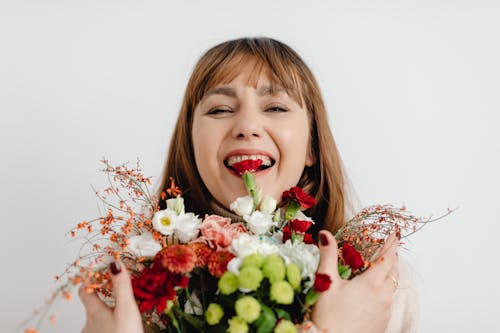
(219, 232)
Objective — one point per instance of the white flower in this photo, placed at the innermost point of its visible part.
(143, 245)
(193, 305)
(165, 221)
(176, 204)
(268, 204)
(247, 244)
(303, 217)
(187, 227)
(242, 206)
(306, 256)
(259, 223)
(234, 265)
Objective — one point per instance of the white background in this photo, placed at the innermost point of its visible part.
(412, 88)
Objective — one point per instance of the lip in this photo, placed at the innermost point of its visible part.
(248, 152)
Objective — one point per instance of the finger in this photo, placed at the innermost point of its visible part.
(328, 250)
(382, 266)
(393, 275)
(390, 240)
(122, 286)
(91, 301)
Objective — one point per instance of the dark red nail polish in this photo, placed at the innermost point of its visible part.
(323, 239)
(115, 268)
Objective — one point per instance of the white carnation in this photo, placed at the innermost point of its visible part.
(143, 245)
(247, 244)
(306, 256)
(242, 206)
(187, 227)
(268, 204)
(259, 223)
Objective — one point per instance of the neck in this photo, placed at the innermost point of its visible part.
(218, 209)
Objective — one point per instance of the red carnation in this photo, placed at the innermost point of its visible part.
(154, 286)
(178, 258)
(300, 225)
(287, 233)
(297, 194)
(308, 239)
(247, 165)
(217, 262)
(322, 282)
(202, 251)
(351, 257)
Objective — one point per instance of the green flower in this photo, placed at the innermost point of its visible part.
(248, 309)
(228, 283)
(285, 326)
(250, 278)
(237, 325)
(214, 314)
(255, 260)
(293, 276)
(281, 292)
(274, 268)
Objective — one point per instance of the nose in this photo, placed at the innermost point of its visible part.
(247, 125)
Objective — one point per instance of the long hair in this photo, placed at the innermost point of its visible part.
(221, 64)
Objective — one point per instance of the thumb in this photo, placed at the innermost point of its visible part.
(122, 286)
(328, 250)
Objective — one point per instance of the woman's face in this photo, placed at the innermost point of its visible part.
(236, 121)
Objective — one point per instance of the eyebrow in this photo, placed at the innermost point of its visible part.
(228, 91)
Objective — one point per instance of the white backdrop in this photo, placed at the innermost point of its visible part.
(412, 88)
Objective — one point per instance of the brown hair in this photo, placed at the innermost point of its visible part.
(221, 64)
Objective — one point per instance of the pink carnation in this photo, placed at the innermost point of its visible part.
(219, 232)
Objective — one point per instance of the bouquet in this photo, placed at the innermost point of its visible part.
(212, 274)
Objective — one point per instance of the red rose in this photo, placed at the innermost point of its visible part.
(351, 257)
(297, 194)
(300, 225)
(247, 165)
(322, 282)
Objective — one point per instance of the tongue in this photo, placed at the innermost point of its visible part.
(247, 165)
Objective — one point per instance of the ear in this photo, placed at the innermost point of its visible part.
(310, 158)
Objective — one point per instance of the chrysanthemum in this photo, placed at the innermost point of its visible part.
(217, 262)
(178, 259)
(202, 251)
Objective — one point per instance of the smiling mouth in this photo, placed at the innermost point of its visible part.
(238, 164)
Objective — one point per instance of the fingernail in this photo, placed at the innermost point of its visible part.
(323, 239)
(115, 268)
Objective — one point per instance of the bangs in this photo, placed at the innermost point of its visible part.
(282, 72)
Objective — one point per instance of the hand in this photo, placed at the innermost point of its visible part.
(362, 304)
(124, 318)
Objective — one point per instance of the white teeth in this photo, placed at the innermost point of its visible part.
(235, 159)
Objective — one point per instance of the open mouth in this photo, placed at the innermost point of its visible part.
(238, 164)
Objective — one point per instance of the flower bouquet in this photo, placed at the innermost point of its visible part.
(212, 274)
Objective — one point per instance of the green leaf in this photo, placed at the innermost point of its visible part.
(265, 323)
(283, 314)
(344, 271)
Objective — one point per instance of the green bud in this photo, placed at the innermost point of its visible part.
(274, 268)
(281, 292)
(293, 275)
(254, 260)
(228, 283)
(237, 325)
(285, 326)
(248, 309)
(250, 278)
(214, 314)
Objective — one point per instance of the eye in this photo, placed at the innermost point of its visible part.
(276, 108)
(218, 111)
